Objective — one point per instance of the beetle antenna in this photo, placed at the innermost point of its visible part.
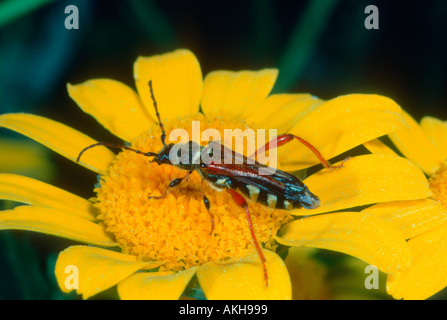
(112, 145)
(163, 133)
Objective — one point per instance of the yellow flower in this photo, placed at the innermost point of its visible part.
(423, 222)
(151, 248)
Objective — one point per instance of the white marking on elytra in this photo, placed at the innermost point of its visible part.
(221, 182)
(288, 205)
(254, 192)
(271, 200)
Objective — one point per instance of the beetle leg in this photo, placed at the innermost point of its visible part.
(285, 138)
(240, 201)
(206, 202)
(174, 183)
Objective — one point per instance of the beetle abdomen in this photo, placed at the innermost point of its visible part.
(266, 198)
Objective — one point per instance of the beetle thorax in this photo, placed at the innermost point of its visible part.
(186, 155)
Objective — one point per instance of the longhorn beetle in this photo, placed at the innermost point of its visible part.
(279, 190)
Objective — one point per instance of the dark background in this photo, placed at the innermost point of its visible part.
(319, 46)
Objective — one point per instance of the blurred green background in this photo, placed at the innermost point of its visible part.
(319, 46)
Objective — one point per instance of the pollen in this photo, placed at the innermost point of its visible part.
(175, 230)
(438, 184)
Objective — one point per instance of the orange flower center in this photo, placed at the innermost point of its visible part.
(438, 184)
(176, 229)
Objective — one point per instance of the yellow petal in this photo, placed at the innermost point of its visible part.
(113, 104)
(177, 83)
(366, 237)
(366, 180)
(155, 285)
(60, 138)
(412, 218)
(416, 146)
(244, 280)
(98, 269)
(377, 146)
(54, 222)
(236, 94)
(282, 111)
(269, 107)
(436, 131)
(339, 125)
(426, 273)
(27, 190)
